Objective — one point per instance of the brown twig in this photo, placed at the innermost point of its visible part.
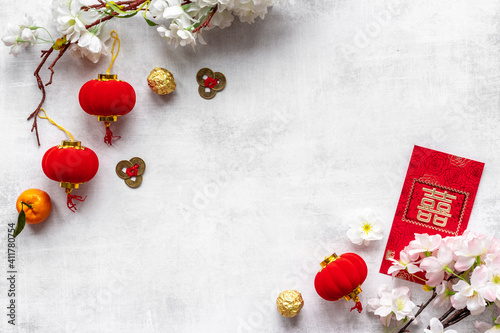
(458, 316)
(129, 5)
(446, 314)
(102, 4)
(51, 67)
(45, 56)
(421, 308)
(104, 19)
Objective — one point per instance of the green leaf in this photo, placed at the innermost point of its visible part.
(117, 9)
(150, 23)
(21, 222)
(127, 16)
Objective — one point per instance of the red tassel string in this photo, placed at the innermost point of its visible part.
(211, 82)
(109, 135)
(132, 171)
(71, 197)
(358, 307)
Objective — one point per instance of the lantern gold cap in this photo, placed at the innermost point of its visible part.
(66, 143)
(107, 118)
(328, 260)
(69, 185)
(354, 294)
(106, 77)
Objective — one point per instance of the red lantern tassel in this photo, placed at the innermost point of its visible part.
(109, 135)
(69, 201)
(358, 306)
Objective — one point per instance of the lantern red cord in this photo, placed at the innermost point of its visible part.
(107, 98)
(341, 277)
(70, 164)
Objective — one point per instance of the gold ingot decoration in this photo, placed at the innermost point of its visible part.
(289, 303)
(161, 81)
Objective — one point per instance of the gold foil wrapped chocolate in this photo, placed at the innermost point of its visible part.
(161, 81)
(289, 303)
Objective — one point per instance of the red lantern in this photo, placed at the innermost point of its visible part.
(70, 164)
(341, 277)
(107, 98)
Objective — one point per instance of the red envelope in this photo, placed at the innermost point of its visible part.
(437, 198)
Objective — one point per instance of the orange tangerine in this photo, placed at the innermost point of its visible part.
(37, 205)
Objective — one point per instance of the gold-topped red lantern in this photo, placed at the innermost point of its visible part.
(341, 277)
(70, 164)
(107, 98)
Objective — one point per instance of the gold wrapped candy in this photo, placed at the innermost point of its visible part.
(289, 303)
(161, 81)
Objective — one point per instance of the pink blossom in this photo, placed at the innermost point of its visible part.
(493, 283)
(436, 268)
(473, 295)
(424, 244)
(437, 327)
(392, 302)
(444, 292)
(404, 263)
(473, 249)
(483, 327)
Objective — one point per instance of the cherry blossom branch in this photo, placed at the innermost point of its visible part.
(98, 21)
(128, 5)
(421, 308)
(456, 317)
(445, 315)
(102, 4)
(41, 86)
(206, 23)
(51, 67)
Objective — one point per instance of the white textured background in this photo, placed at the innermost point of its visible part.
(245, 194)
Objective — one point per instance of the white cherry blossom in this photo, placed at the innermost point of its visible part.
(392, 303)
(424, 245)
(71, 19)
(473, 295)
(437, 327)
(365, 229)
(444, 291)
(177, 35)
(483, 327)
(473, 248)
(402, 264)
(20, 36)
